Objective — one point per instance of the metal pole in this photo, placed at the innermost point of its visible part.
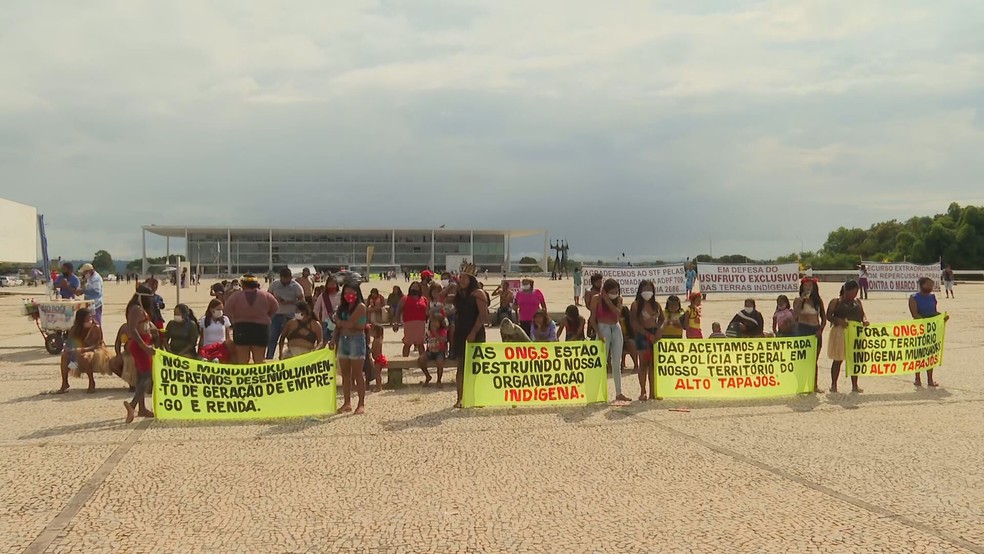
(432, 251)
(143, 265)
(546, 239)
(229, 250)
(393, 247)
(471, 249)
(270, 269)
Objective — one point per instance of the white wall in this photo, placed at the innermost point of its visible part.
(18, 233)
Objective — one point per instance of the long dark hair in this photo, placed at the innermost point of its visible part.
(215, 303)
(640, 303)
(189, 316)
(849, 286)
(143, 297)
(78, 325)
(466, 292)
(343, 306)
(814, 295)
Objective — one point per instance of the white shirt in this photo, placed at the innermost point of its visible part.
(214, 333)
(94, 290)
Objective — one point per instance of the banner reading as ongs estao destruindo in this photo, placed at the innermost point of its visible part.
(750, 278)
(900, 277)
(734, 368)
(192, 389)
(535, 374)
(668, 279)
(895, 348)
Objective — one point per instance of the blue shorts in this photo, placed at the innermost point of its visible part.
(352, 347)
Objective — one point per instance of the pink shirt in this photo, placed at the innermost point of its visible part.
(529, 303)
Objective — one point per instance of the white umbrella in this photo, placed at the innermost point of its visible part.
(169, 269)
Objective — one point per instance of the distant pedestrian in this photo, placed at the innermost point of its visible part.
(948, 282)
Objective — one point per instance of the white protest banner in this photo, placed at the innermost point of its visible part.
(900, 277)
(668, 279)
(748, 277)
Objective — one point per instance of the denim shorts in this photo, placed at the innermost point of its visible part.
(352, 347)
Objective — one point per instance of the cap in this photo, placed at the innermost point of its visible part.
(86, 267)
(426, 273)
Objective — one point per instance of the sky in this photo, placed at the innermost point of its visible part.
(649, 128)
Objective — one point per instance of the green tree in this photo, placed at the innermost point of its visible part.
(529, 265)
(103, 262)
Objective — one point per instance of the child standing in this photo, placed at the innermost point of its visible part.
(691, 320)
(783, 321)
(378, 359)
(673, 319)
(436, 347)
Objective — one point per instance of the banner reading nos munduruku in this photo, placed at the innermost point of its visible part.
(668, 279)
(529, 374)
(895, 348)
(749, 278)
(192, 389)
(734, 368)
(900, 277)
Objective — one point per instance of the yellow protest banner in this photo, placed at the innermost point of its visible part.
(193, 389)
(734, 368)
(895, 348)
(535, 374)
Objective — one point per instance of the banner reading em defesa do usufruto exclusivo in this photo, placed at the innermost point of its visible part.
(535, 374)
(895, 348)
(735, 368)
(193, 389)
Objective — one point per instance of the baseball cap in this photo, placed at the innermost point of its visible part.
(86, 267)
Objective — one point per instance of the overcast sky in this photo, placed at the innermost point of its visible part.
(637, 127)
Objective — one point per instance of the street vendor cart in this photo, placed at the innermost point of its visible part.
(54, 318)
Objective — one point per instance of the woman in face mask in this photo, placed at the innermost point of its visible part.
(216, 338)
(412, 312)
(647, 318)
(181, 336)
(350, 342)
(302, 333)
(748, 323)
(606, 309)
(325, 307)
(528, 301)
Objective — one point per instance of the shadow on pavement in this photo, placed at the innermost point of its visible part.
(74, 395)
(32, 355)
(104, 425)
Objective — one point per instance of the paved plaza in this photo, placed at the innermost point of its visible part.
(895, 469)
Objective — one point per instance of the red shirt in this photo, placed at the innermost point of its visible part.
(415, 308)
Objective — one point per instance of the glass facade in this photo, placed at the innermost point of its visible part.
(253, 251)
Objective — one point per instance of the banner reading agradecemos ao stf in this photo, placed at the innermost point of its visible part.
(900, 277)
(668, 279)
(748, 277)
(895, 348)
(535, 374)
(192, 389)
(735, 368)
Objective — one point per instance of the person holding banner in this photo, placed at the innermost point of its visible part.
(472, 308)
(841, 311)
(922, 305)
(810, 317)
(589, 294)
(647, 318)
(350, 342)
(216, 334)
(606, 309)
(748, 323)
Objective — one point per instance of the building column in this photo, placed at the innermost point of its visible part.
(270, 269)
(187, 251)
(229, 250)
(432, 250)
(507, 263)
(167, 250)
(143, 266)
(471, 249)
(393, 247)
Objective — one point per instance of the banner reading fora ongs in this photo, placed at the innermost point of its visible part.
(748, 277)
(900, 277)
(895, 348)
(529, 374)
(668, 279)
(191, 389)
(734, 368)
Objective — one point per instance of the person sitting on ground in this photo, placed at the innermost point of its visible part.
(302, 333)
(181, 336)
(435, 348)
(85, 351)
(748, 323)
(574, 324)
(716, 331)
(215, 343)
(544, 329)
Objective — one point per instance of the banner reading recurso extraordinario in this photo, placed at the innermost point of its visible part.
(192, 389)
(750, 278)
(668, 279)
(535, 374)
(900, 277)
(895, 348)
(735, 368)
